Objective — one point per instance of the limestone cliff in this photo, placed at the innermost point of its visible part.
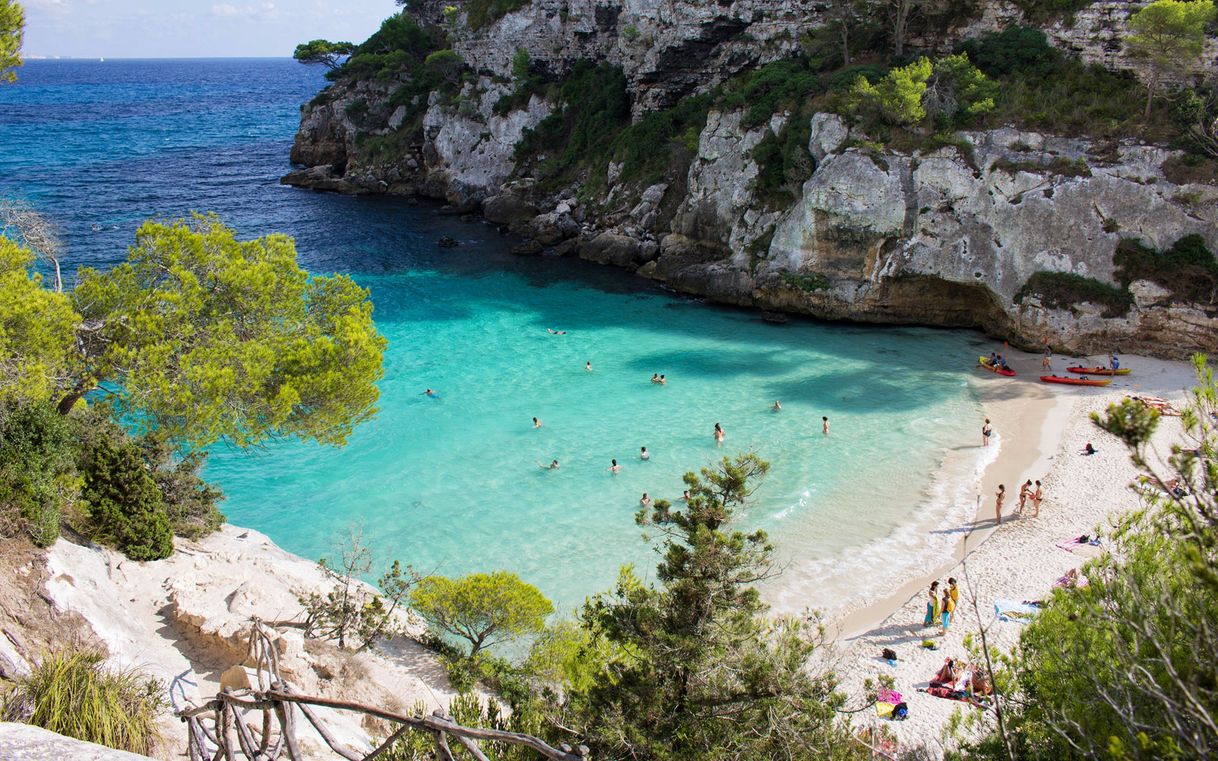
(955, 235)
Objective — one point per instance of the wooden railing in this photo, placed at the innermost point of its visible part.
(223, 729)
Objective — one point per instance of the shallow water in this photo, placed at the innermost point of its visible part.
(453, 484)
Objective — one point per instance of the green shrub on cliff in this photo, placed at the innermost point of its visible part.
(38, 480)
(123, 504)
(77, 695)
(1066, 290)
(1187, 269)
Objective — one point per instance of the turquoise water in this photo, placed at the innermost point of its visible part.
(453, 484)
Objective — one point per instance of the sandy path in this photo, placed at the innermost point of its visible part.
(1042, 430)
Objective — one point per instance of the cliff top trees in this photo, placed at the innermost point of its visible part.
(12, 21)
(37, 328)
(1169, 35)
(205, 337)
(482, 608)
(329, 54)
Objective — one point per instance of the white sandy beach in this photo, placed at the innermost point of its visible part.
(1041, 431)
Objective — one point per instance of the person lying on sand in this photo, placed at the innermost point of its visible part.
(1089, 450)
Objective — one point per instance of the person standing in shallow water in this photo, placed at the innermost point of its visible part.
(614, 468)
(824, 425)
(718, 434)
(777, 406)
(986, 431)
(999, 496)
(588, 366)
(644, 454)
(536, 423)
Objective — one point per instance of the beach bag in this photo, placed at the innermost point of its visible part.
(900, 712)
(884, 710)
(888, 654)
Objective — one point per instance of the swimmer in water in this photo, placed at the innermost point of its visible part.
(552, 466)
(536, 423)
(685, 496)
(554, 332)
(644, 454)
(777, 406)
(824, 425)
(662, 380)
(588, 366)
(614, 468)
(718, 434)
(655, 377)
(430, 392)
(645, 501)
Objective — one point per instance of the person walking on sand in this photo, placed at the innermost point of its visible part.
(949, 607)
(932, 605)
(986, 431)
(999, 496)
(1025, 491)
(1037, 496)
(824, 425)
(719, 435)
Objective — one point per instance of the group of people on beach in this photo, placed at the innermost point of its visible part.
(941, 604)
(1031, 493)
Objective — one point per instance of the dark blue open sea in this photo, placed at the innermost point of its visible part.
(453, 484)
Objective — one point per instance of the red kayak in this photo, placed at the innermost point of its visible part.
(1076, 381)
(985, 362)
(1097, 371)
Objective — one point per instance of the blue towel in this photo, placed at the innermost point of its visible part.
(1018, 612)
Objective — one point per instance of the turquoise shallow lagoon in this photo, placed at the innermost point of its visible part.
(452, 484)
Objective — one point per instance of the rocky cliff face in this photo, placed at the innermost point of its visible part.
(943, 237)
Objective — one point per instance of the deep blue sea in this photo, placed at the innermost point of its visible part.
(453, 484)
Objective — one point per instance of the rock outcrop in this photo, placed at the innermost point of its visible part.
(21, 742)
(948, 236)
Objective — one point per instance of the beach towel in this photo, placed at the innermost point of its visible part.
(1076, 542)
(1020, 613)
(957, 695)
(889, 696)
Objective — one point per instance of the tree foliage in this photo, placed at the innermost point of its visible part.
(699, 672)
(351, 612)
(482, 608)
(37, 329)
(897, 98)
(1124, 667)
(215, 338)
(12, 25)
(328, 54)
(1168, 36)
(123, 504)
(958, 91)
(38, 478)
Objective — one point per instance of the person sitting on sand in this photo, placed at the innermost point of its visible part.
(1089, 450)
(718, 434)
(645, 501)
(614, 468)
(980, 685)
(536, 423)
(1037, 497)
(644, 454)
(999, 496)
(946, 675)
(777, 406)
(932, 605)
(1025, 491)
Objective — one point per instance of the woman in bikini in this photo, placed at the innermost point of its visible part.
(986, 431)
(1037, 497)
(999, 496)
